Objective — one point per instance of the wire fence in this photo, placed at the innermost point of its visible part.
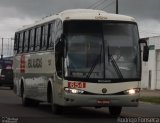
(101, 4)
(6, 46)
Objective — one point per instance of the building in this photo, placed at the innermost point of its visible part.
(151, 69)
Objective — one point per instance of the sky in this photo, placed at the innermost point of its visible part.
(17, 13)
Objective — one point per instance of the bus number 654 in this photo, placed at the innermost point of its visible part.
(76, 84)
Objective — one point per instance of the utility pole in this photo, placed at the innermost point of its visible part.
(12, 44)
(8, 48)
(11, 47)
(2, 50)
(117, 7)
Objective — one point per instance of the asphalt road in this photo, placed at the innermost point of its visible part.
(12, 110)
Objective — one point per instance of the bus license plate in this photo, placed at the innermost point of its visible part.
(103, 101)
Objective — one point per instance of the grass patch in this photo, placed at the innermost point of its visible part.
(150, 99)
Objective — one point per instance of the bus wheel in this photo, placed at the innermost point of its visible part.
(115, 110)
(56, 109)
(11, 87)
(27, 101)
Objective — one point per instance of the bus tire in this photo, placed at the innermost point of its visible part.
(56, 109)
(115, 110)
(11, 87)
(26, 101)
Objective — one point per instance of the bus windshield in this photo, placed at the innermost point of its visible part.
(102, 50)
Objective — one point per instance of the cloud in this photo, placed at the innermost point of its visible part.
(149, 28)
(9, 25)
(40, 8)
(6, 12)
(16, 13)
(145, 11)
(140, 8)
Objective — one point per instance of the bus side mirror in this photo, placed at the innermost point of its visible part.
(60, 45)
(145, 53)
(145, 49)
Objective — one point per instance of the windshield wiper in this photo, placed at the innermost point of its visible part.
(115, 66)
(94, 64)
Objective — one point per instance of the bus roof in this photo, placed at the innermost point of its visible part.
(81, 14)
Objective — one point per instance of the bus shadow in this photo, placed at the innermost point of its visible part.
(85, 113)
(74, 112)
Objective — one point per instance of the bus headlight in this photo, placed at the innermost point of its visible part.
(132, 91)
(73, 91)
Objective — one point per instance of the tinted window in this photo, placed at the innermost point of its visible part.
(38, 38)
(58, 29)
(52, 34)
(55, 32)
(32, 40)
(21, 42)
(26, 41)
(45, 37)
(16, 42)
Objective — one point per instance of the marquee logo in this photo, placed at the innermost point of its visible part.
(22, 64)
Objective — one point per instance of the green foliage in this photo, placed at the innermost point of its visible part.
(150, 99)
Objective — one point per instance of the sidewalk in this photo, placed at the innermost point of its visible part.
(150, 93)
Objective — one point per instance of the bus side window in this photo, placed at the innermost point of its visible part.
(32, 40)
(58, 49)
(21, 42)
(52, 34)
(44, 37)
(29, 35)
(48, 35)
(38, 39)
(16, 42)
(58, 29)
(26, 41)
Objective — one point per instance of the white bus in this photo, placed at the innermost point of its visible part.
(79, 58)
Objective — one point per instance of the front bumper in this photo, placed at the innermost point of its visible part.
(93, 100)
